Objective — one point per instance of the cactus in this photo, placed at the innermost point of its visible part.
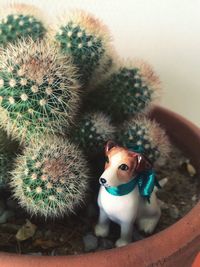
(126, 91)
(51, 178)
(147, 137)
(38, 90)
(20, 20)
(86, 39)
(92, 132)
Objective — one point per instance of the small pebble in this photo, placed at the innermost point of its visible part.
(194, 198)
(191, 170)
(90, 242)
(7, 214)
(174, 212)
(163, 205)
(48, 234)
(105, 243)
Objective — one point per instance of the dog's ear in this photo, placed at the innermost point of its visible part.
(142, 164)
(110, 144)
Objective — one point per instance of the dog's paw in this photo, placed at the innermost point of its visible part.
(147, 225)
(121, 242)
(101, 230)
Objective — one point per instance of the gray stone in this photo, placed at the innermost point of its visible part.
(174, 212)
(90, 242)
(6, 215)
(105, 243)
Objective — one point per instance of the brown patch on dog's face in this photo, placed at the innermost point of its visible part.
(123, 162)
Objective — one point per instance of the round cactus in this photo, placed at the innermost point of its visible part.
(126, 91)
(86, 39)
(21, 20)
(51, 178)
(145, 136)
(92, 132)
(38, 89)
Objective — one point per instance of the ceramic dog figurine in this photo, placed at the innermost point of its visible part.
(127, 194)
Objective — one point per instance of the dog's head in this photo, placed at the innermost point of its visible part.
(121, 165)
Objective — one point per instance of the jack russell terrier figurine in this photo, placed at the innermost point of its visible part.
(127, 193)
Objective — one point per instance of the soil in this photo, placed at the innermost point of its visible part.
(63, 237)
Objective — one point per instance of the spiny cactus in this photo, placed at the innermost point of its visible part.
(126, 91)
(20, 20)
(147, 137)
(51, 178)
(38, 89)
(92, 132)
(86, 39)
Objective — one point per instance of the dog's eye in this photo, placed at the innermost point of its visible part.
(107, 159)
(123, 167)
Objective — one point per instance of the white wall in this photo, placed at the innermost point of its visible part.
(166, 33)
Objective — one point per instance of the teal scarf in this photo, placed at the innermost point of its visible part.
(145, 180)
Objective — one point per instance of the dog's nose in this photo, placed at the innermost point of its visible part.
(102, 180)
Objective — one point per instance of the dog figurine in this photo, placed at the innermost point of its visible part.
(119, 198)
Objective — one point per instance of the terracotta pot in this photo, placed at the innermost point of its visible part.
(176, 246)
(196, 262)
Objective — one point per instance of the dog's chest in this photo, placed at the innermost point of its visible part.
(119, 208)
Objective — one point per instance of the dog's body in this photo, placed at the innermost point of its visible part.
(127, 209)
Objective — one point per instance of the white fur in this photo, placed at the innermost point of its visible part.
(125, 210)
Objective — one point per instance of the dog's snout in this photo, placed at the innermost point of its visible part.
(102, 180)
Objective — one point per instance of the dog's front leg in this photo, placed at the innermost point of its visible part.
(126, 234)
(102, 228)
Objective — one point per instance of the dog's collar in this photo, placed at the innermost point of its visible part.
(123, 189)
(145, 180)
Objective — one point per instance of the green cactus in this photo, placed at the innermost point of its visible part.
(38, 90)
(125, 92)
(51, 178)
(20, 21)
(83, 37)
(147, 137)
(92, 132)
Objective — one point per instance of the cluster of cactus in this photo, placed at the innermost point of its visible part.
(86, 40)
(50, 178)
(19, 21)
(45, 84)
